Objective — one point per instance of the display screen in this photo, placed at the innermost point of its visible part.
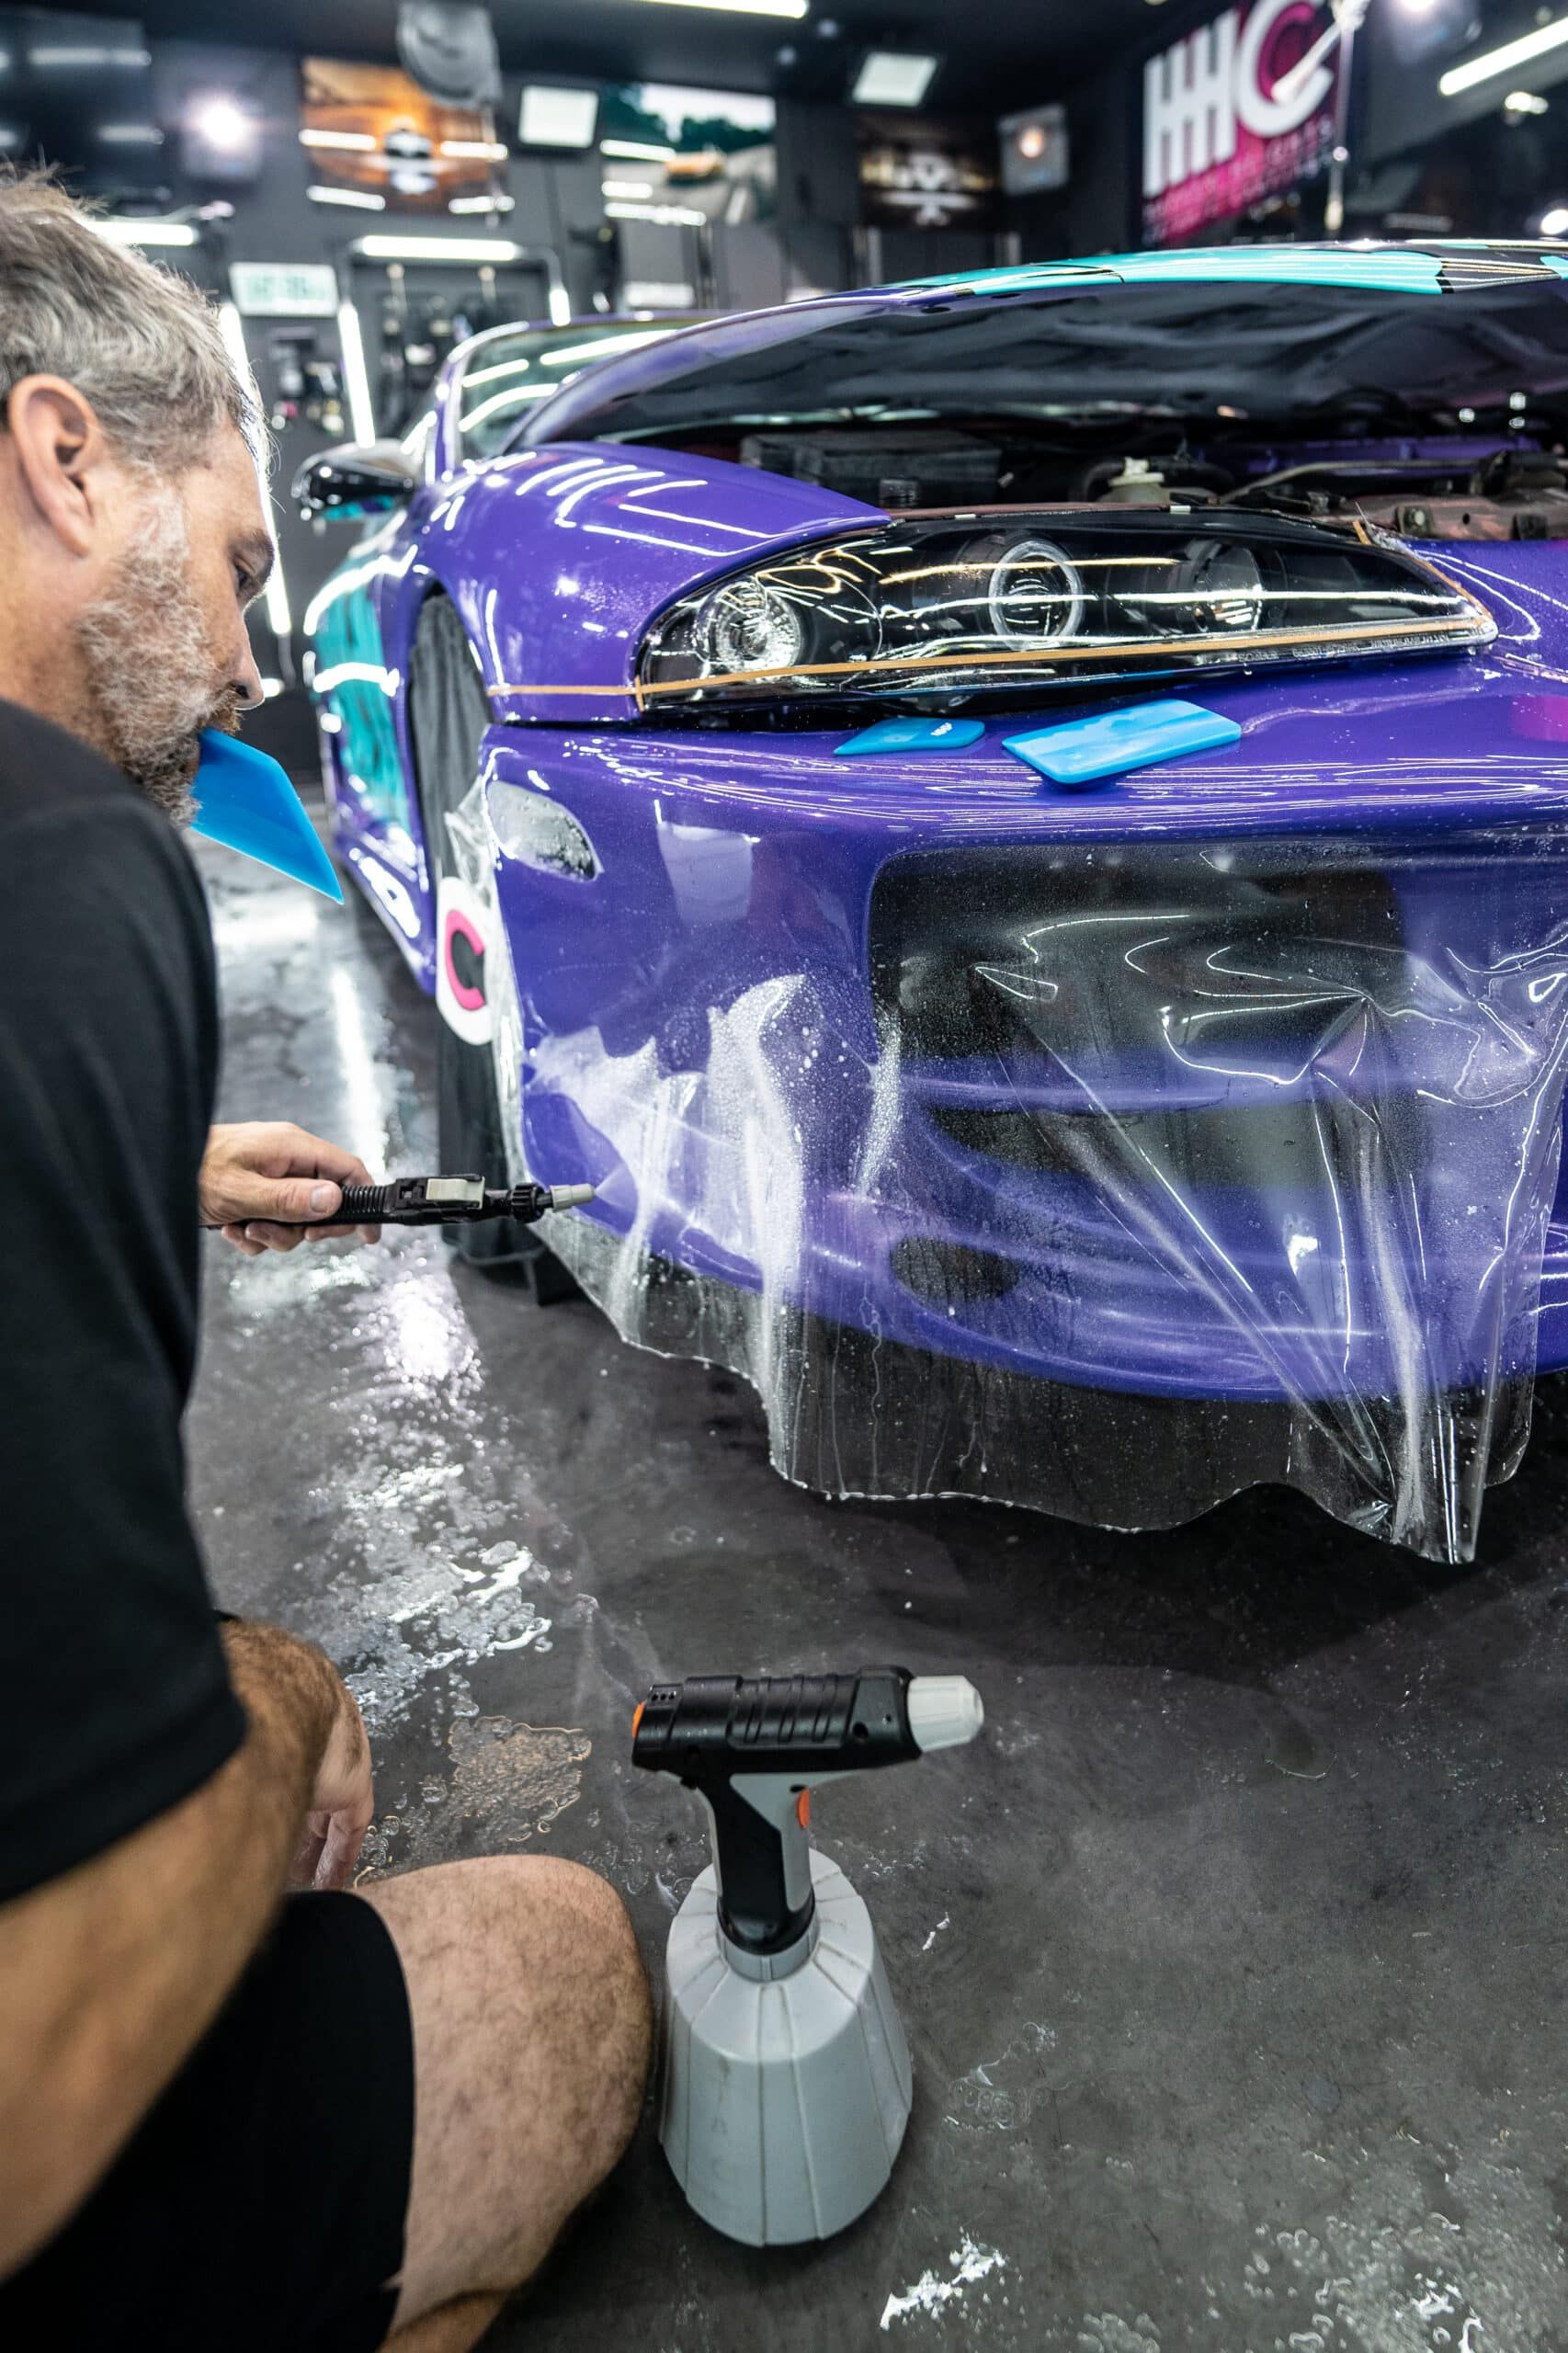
(373, 129)
(707, 153)
(920, 172)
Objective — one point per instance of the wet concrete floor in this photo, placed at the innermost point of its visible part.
(1233, 1958)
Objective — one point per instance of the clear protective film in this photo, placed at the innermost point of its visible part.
(1102, 1179)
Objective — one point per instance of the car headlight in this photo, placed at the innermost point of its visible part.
(948, 608)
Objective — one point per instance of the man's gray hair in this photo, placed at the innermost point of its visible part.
(144, 346)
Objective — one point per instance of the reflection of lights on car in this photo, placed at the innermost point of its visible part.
(404, 139)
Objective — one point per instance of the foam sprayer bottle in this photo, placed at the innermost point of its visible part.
(787, 2081)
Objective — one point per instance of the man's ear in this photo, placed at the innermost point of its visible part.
(60, 451)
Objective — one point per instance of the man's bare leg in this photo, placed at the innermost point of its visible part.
(531, 2032)
(453, 2330)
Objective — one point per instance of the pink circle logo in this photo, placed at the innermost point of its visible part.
(471, 999)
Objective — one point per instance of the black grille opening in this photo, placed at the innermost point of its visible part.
(958, 941)
(1282, 1145)
(952, 1274)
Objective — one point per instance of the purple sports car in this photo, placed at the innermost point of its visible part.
(1017, 830)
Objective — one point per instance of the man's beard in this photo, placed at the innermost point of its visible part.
(149, 668)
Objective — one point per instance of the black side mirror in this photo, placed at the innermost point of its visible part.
(354, 479)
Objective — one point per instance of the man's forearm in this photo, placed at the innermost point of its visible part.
(114, 1972)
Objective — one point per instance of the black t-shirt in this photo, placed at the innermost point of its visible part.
(115, 1701)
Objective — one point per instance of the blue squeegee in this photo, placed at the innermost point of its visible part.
(247, 803)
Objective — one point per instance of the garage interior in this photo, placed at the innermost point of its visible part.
(1231, 1956)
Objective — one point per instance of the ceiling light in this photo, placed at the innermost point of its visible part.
(548, 117)
(1524, 102)
(130, 134)
(223, 124)
(1503, 60)
(493, 249)
(75, 54)
(478, 151)
(891, 78)
(665, 216)
(742, 8)
(362, 199)
(145, 232)
(479, 204)
(357, 143)
(633, 189)
(1555, 222)
(634, 151)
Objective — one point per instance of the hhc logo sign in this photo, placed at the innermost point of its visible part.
(1218, 134)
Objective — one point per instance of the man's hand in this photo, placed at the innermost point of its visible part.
(263, 1180)
(342, 1803)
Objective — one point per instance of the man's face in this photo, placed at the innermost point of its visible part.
(164, 643)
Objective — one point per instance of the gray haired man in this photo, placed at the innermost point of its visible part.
(229, 2116)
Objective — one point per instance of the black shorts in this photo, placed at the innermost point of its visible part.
(259, 2206)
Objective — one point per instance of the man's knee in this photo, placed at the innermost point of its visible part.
(606, 2019)
(532, 2021)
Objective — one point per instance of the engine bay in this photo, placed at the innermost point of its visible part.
(1434, 486)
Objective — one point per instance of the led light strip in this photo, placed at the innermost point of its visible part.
(355, 379)
(274, 595)
(1539, 43)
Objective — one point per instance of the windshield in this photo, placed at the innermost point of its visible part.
(1098, 353)
(512, 369)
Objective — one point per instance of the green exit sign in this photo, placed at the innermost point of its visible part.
(284, 290)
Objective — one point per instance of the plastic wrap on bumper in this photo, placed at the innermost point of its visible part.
(1098, 1177)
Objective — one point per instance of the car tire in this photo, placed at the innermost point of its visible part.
(449, 714)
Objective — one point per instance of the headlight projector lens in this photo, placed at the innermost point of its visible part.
(745, 626)
(1035, 596)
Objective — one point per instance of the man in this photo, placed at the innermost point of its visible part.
(227, 2118)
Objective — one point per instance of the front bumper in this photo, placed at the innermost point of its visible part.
(1240, 1082)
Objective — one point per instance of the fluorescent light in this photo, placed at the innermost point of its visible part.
(549, 116)
(492, 250)
(560, 307)
(892, 78)
(130, 134)
(667, 216)
(631, 189)
(361, 199)
(356, 380)
(634, 151)
(742, 8)
(479, 204)
(270, 686)
(357, 143)
(475, 150)
(145, 232)
(1524, 102)
(78, 55)
(274, 595)
(1545, 39)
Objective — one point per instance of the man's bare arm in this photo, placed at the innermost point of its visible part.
(112, 1972)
